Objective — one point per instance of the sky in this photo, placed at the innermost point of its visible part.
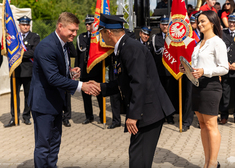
(193, 2)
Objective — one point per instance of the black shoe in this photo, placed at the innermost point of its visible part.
(11, 123)
(218, 165)
(66, 123)
(185, 128)
(170, 121)
(114, 126)
(100, 122)
(27, 122)
(87, 121)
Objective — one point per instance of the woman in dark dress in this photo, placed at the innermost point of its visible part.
(209, 61)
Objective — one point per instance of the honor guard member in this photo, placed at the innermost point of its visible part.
(23, 72)
(228, 80)
(145, 100)
(167, 80)
(83, 46)
(145, 38)
(196, 32)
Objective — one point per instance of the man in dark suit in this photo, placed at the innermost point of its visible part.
(50, 82)
(83, 46)
(145, 100)
(168, 81)
(228, 80)
(23, 72)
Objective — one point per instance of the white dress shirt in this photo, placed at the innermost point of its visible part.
(212, 57)
(116, 45)
(62, 45)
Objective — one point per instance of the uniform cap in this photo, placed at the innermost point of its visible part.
(193, 18)
(146, 30)
(24, 20)
(89, 19)
(231, 17)
(164, 19)
(111, 22)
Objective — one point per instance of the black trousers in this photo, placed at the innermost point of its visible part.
(25, 81)
(116, 108)
(143, 145)
(228, 88)
(170, 85)
(66, 115)
(88, 106)
(188, 113)
(88, 103)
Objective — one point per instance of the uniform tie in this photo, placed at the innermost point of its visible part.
(66, 58)
(232, 34)
(23, 35)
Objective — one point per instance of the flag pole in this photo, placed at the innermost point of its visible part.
(104, 99)
(180, 103)
(14, 97)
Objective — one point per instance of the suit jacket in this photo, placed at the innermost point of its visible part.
(158, 45)
(26, 66)
(49, 82)
(83, 46)
(230, 44)
(144, 97)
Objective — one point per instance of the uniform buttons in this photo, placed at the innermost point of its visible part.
(141, 114)
(128, 105)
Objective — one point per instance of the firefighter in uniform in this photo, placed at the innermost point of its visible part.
(145, 100)
(145, 38)
(23, 72)
(228, 80)
(83, 45)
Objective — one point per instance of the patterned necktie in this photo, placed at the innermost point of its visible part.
(65, 49)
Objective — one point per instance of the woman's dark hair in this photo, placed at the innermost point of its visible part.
(214, 19)
(231, 6)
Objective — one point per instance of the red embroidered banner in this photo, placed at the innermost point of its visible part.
(98, 50)
(179, 41)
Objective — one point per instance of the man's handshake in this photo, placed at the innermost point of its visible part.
(91, 87)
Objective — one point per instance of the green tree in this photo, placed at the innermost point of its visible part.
(46, 12)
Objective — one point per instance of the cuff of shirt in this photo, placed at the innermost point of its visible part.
(79, 86)
(207, 73)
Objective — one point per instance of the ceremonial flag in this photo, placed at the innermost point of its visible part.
(98, 49)
(12, 42)
(179, 41)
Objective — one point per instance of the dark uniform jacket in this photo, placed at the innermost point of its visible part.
(83, 46)
(148, 44)
(230, 44)
(25, 68)
(158, 45)
(144, 97)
